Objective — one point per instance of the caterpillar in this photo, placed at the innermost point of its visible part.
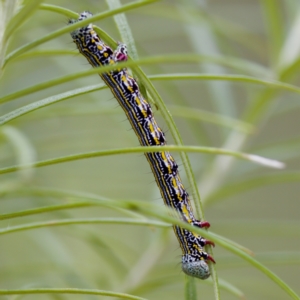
(139, 113)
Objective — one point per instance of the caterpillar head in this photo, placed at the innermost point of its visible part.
(198, 269)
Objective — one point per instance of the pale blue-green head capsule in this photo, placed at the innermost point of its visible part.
(198, 268)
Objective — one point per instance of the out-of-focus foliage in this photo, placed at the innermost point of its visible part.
(228, 72)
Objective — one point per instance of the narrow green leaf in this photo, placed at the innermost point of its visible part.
(239, 78)
(58, 9)
(81, 221)
(274, 23)
(73, 291)
(48, 101)
(259, 181)
(254, 158)
(44, 209)
(25, 12)
(124, 29)
(231, 289)
(206, 116)
(24, 150)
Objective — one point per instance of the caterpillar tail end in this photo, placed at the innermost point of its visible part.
(82, 16)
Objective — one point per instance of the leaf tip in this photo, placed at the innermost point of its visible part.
(266, 161)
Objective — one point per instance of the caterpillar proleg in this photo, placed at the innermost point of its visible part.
(139, 113)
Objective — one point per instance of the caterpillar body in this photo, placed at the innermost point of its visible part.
(139, 113)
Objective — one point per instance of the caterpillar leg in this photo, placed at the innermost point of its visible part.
(207, 242)
(209, 257)
(120, 54)
(201, 224)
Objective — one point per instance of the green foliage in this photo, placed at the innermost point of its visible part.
(229, 76)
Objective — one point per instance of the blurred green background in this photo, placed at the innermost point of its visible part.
(255, 206)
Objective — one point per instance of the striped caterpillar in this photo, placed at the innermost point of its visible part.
(139, 113)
